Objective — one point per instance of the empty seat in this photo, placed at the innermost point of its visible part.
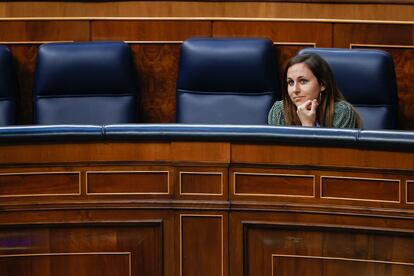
(226, 81)
(85, 83)
(366, 78)
(8, 88)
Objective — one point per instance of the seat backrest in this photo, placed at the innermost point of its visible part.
(85, 83)
(226, 81)
(8, 88)
(366, 78)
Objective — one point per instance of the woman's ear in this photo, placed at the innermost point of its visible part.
(322, 87)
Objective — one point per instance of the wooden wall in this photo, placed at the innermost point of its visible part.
(155, 45)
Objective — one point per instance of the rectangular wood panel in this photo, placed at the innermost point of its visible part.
(201, 183)
(68, 264)
(201, 245)
(385, 34)
(149, 30)
(265, 184)
(294, 32)
(44, 30)
(128, 182)
(39, 184)
(354, 188)
(323, 250)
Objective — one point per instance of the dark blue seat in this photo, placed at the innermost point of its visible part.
(8, 88)
(367, 80)
(85, 83)
(226, 81)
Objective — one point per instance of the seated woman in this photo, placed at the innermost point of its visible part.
(311, 98)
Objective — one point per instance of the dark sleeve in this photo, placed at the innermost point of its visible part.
(275, 116)
(344, 115)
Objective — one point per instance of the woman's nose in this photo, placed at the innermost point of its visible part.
(296, 87)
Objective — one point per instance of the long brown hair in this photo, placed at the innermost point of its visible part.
(323, 73)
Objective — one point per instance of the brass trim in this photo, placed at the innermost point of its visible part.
(103, 172)
(181, 238)
(351, 45)
(361, 178)
(72, 254)
(153, 42)
(406, 191)
(44, 173)
(337, 259)
(273, 174)
(205, 194)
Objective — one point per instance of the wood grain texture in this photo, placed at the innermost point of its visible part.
(252, 9)
(294, 32)
(149, 30)
(157, 66)
(383, 34)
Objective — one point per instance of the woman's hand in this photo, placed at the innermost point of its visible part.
(307, 112)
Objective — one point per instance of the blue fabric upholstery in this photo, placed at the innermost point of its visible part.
(85, 83)
(226, 81)
(8, 88)
(367, 80)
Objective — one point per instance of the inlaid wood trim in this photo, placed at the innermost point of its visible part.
(126, 172)
(406, 191)
(360, 178)
(337, 259)
(181, 238)
(273, 174)
(200, 173)
(43, 173)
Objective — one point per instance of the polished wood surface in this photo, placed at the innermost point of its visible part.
(205, 208)
(398, 10)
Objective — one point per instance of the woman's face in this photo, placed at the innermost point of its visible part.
(302, 84)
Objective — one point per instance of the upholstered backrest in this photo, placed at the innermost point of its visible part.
(226, 81)
(8, 88)
(85, 83)
(367, 80)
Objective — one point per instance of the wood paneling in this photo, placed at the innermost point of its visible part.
(301, 250)
(294, 32)
(74, 250)
(44, 30)
(252, 9)
(360, 188)
(39, 184)
(378, 34)
(157, 66)
(265, 184)
(201, 183)
(151, 30)
(128, 182)
(203, 253)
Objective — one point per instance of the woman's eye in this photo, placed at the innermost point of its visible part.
(290, 82)
(303, 81)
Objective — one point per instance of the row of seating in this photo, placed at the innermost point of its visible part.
(220, 81)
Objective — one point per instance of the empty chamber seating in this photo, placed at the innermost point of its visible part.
(367, 80)
(8, 88)
(85, 83)
(226, 81)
